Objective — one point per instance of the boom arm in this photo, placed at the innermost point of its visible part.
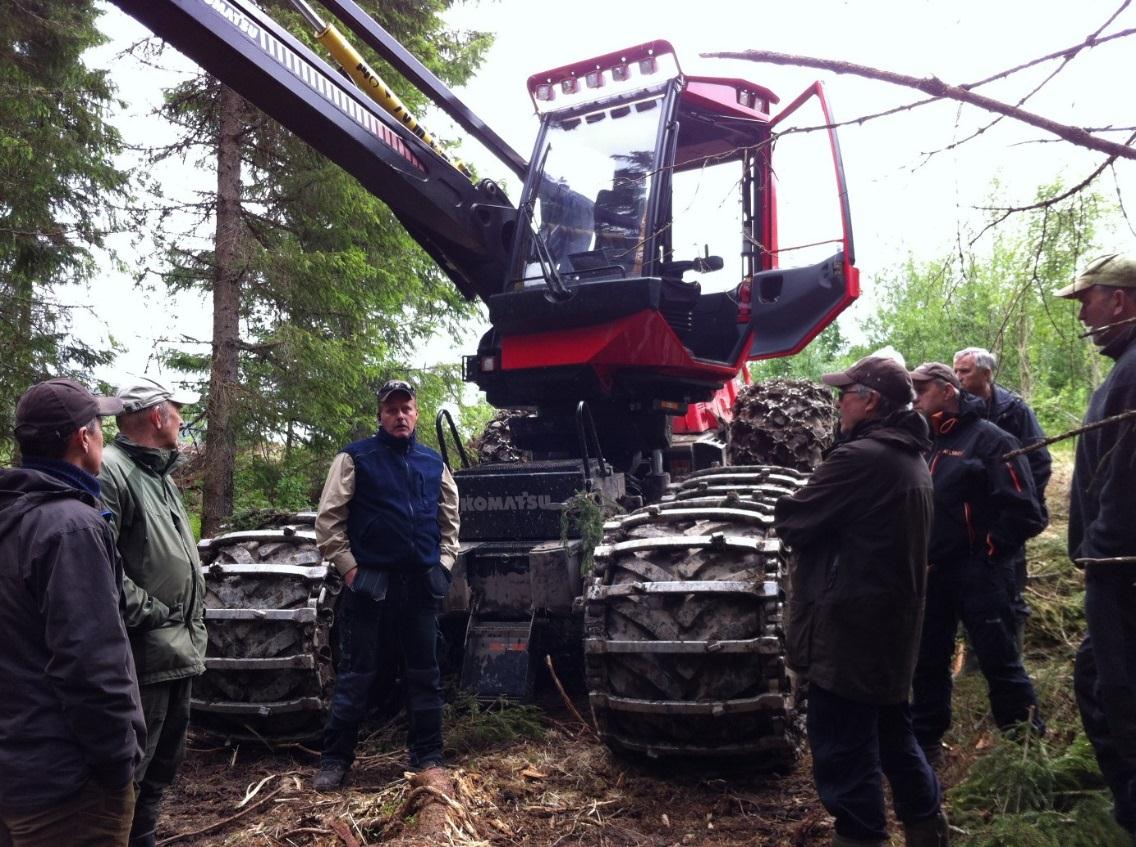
(465, 227)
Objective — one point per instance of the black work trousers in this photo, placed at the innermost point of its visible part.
(384, 613)
(980, 595)
(855, 745)
(1105, 681)
(166, 708)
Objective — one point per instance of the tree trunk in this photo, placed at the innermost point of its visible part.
(221, 442)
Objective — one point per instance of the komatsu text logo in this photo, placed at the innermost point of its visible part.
(235, 17)
(522, 501)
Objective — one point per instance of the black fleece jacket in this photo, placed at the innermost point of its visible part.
(985, 505)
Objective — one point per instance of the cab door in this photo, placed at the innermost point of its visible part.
(808, 234)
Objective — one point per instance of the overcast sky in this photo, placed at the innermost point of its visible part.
(903, 200)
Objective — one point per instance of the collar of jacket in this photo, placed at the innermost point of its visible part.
(906, 427)
(399, 445)
(154, 459)
(65, 472)
(1115, 349)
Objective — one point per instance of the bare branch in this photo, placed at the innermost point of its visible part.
(938, 88)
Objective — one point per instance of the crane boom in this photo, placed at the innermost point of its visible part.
(459, 223)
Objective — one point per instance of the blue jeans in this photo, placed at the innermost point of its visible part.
(398, 611)
(853, 744)
(980, 595)
(1105, 681)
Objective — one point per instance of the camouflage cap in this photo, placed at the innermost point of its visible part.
(1114, 270)
(145, 392)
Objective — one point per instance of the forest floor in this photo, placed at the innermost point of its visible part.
(539, 776)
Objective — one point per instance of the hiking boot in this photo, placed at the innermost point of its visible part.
(929, 832)
(933, 753)
(330, 777)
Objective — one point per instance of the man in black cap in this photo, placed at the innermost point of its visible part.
(1102, 530)
(71, 728)
(985, 509)
(164, 585)
(388, 521)
(859, 530)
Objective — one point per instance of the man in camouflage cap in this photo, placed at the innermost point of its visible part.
(1102, 527)
(164, 588)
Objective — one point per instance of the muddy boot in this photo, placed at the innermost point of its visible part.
(929, 832)
(839, 840)
(330, 776)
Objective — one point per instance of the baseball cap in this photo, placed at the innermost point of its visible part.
(392, 386)
(935, 370)
(59, 407)
(145, 392)
(1114, 270)
(880, 373)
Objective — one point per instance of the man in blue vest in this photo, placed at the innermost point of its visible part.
(388, 522)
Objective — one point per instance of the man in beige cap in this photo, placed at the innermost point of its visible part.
(1102, 526)
(164, 586)
(71, 728)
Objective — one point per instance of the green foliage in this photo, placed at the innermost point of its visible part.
(472, 726)
(57, 181)
(1022, 795)
(335, 295)
(584, 516)
(928, 309)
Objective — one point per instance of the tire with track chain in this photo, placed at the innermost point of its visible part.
(269, 609)
(786, 422)
(684, 645)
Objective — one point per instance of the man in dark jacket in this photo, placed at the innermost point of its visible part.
(974, 368)
(71, 728)
(859, 531)
(985, 508)
(164, 587)
(1102, 531)
(388, 521)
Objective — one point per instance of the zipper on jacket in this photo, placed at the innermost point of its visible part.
(969, 525)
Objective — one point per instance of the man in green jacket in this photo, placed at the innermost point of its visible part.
(163, 585)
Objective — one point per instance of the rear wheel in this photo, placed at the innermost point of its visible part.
(269, 609)
(684, 643)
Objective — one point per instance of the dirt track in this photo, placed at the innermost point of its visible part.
(563, 789)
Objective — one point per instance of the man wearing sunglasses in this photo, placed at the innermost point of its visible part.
(859, 531)
(388, 521)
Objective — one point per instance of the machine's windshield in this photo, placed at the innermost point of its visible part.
(590, 201)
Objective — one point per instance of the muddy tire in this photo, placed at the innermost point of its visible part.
(684, 646)
(495, 444)
(785, 422)
(269, 609)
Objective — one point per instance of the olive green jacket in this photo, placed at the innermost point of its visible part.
(164, 587)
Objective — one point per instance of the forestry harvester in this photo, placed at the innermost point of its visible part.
(644, 261)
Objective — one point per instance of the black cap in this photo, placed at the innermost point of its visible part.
(879, 373)
(59, 407)
(393, 386)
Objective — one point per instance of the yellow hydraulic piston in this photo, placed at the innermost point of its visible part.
(352, 63)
